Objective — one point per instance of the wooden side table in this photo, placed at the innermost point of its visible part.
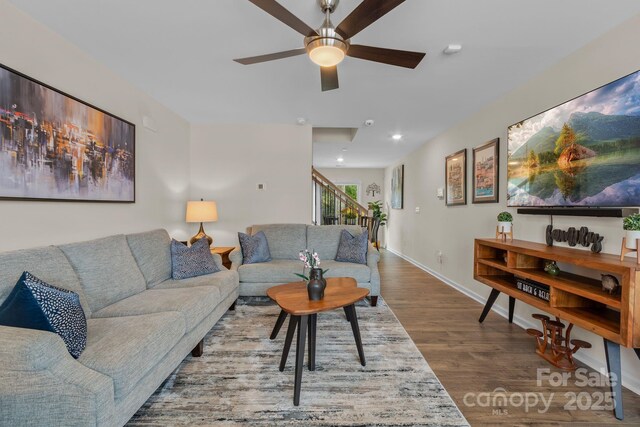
(224, 252)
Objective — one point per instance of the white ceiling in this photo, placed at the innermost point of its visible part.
(180, 52)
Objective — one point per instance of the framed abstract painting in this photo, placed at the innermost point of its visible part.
(397, 187)
(56, 147)
(485, 172)
(456, 178)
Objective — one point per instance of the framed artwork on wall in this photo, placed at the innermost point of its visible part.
(456, 178)
(486, 160)
(54, 146)
(397, 187)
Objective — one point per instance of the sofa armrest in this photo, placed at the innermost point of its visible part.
(217, 259)
(373, 256)
(41, 384)
(29, 349)
(236, 258)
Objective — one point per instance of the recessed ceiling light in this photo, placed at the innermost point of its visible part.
(340, 159)
(396, 137)
(301, 121)
(344, 149)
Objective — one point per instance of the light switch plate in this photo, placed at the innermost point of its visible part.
(417, 209)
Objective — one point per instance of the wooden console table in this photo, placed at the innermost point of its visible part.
(574, 298)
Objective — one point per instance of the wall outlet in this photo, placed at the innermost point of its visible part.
(261, 186)
(417, 209)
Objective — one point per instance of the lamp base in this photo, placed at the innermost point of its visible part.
(200, 235)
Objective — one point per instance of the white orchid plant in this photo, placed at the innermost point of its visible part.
(311, 260)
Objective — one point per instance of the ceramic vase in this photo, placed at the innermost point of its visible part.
(504, 226)
(632, 237)
(316, 284)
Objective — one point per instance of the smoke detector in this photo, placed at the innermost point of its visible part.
(452, 49)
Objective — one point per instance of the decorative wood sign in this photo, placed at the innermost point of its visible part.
(574, 237)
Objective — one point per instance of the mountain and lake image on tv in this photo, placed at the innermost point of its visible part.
(585, 152)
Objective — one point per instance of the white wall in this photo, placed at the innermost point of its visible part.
(452, 229)
(361, 176)
(162, 158)
(227, 163)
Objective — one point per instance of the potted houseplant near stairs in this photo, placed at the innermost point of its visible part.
(379, 218)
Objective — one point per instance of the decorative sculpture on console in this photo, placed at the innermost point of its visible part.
(552, 346)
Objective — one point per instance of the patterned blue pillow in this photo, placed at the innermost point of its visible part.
(193, 261)
(353, 248)
(35, 304)
(255, 248)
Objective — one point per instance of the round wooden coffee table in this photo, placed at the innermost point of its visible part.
(341, 292)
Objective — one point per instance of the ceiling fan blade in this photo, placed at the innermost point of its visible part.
(276, 10)
(329, 78)
(270, 56)
(367, 12)
(399, 58)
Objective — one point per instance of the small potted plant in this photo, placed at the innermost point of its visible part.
(504, 222)
(350, 215)
(632, 226)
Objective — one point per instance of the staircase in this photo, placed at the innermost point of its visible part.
(333, 206)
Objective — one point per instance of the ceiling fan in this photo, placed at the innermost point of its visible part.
(328, 45)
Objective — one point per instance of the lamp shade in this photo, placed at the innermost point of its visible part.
(202, 211)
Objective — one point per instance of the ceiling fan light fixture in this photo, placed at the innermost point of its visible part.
(327, 52)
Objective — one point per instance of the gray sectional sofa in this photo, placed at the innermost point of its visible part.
(141, 325)
(285, 243)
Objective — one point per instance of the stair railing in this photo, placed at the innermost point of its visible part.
(332, 205)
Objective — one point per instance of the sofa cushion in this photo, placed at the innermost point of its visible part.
(226, 281)
(47, 263)
(285, 240)
(152, 252)
(126, 348)
(193, 261)
(324, 239)
(353, 248)
(275, 271)
(107, 270)
(194, 304)
(255, 249)
(34, 304)
(360, 272)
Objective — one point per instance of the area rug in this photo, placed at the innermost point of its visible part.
(237, 381)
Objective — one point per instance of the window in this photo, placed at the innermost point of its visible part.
(352, 190)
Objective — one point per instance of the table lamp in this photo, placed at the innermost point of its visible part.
(201, 211)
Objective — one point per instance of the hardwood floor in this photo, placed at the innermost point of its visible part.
(469, 357)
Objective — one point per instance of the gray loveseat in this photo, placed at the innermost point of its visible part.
(141, 325)
(285, 243)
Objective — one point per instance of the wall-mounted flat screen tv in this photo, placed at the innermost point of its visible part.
(585, 152)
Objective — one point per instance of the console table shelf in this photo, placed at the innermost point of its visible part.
(572, 297)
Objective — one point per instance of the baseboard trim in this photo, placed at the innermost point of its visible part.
(628, 381)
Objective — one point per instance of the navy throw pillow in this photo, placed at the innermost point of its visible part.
(193, 261)
(255, 248)
(35, 304)
(353, 248)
